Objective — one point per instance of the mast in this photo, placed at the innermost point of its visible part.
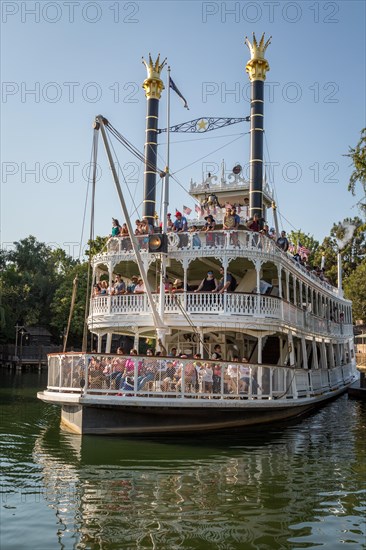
(99, 124)
(165, 209)
(153, 86)
(256, 67)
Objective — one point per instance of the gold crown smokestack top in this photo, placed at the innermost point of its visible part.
(257, 68)
(153, 86)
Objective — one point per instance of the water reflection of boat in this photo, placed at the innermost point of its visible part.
(234, 490)
(290, 330)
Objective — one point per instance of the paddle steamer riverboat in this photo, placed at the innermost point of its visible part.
(285, 334)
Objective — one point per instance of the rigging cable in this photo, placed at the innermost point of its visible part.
(76, 279)
(91, 236)
(123, 176)
(275, 190)
(211, 153)
(202, 138)
(141, 157)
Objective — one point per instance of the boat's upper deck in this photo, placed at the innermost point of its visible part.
(221, 244)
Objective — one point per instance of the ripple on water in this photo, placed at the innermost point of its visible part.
(298, 486)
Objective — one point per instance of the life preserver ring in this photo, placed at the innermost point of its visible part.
(173, 240)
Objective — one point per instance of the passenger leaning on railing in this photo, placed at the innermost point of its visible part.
(140, 287)
(282, 241)
(209, 228)
(116, 228)
(196, 241)
(208, 284)
(228, 285)
(119, 286)
(254, 224)
(230, 223)
(132, 285)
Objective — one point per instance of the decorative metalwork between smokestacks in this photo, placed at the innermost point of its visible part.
(153, 86)
(256, 67)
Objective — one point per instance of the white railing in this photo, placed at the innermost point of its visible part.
(117, 375)
(192, 302)
(199, 240)
(234, 303)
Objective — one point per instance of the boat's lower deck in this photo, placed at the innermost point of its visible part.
(135, 394)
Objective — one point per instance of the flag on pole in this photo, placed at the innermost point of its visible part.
(187, 210)
(302, 250)
(173, 87)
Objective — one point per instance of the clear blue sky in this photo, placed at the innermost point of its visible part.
(84, 58)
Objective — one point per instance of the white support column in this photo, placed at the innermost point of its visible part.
(332, 354)
(300, 292)
(110, 273)
(282, 361)
(136, 340)
(324, 354)
(338, 354)
(99, 348)
(185, 266)
(201, 341)
(279, 275)
(343, 353)
(307, 297)
(258, 265)
(287, 275)
(108, 343)
(291, 349)
(304, 352)
(260, 349)
(315, 354)
(294, 279)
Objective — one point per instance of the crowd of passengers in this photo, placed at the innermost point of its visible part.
(231, 222)
(136, 286)
(166, 374)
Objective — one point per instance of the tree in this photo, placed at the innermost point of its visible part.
(348, 237)
(29, 277)
(96, 246)
(355, 290)
(358, 156)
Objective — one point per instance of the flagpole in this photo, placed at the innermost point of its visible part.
(165, 207)
(166, 179)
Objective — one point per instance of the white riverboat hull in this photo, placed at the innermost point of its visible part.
(116, 415)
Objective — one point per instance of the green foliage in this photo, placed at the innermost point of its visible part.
(96, 246)
(30, 276)
(27, 284)
(353, 250)
(358, 156)
(355, 290)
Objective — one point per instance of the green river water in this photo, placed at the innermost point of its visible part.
(300, 485)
